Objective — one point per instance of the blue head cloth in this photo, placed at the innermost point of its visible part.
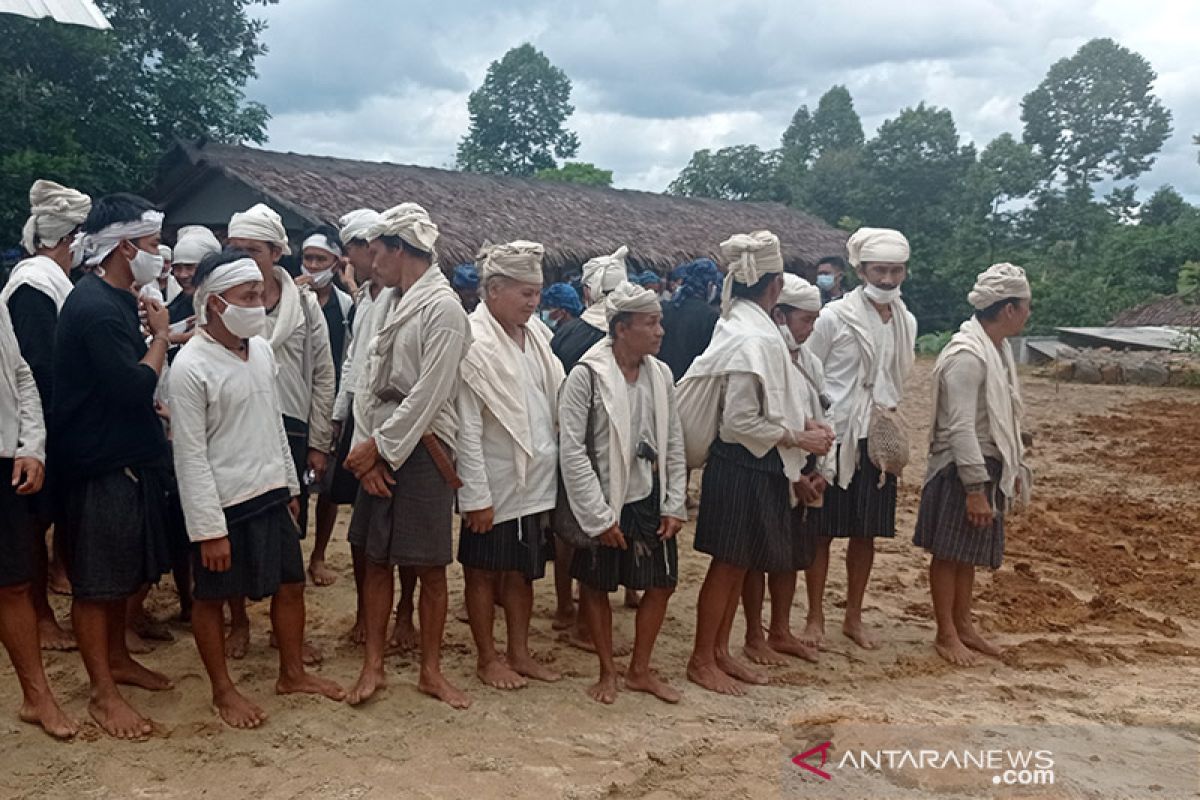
(646, 278)
(465, 277)
(698, 278)
(561, 295)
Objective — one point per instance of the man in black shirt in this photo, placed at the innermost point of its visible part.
(689, 318)
(111, 449)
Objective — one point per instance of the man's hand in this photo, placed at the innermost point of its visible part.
(817, 442)
(317, 462)
(362, 458)
(163, 411)
(303, 279)
(811, 424)
(979, 510)
(215, 554)
(337, 425)
(668, 527)
(614, 538)
(28, 475)
(378, 481)
(806, 491)
(819, 483)
(294, 509)
(158, 321)
(481, 521)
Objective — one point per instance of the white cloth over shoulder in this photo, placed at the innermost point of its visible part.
(259, 223)
(54, 211)
(41, 273)
(354, 371)
(22, 427)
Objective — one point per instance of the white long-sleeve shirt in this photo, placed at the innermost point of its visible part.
(354, 366)
(22, 427)
(486, 453)
(229, 442)
(306, 397)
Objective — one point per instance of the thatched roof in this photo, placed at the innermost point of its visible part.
(1173, 311)
(574, 222)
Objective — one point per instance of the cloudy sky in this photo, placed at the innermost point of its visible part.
(656, 80)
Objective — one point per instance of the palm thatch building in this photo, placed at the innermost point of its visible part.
(204, 183)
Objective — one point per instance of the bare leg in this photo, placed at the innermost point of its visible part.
(106, 705)
(597, 613)
(181, 570)
(480, 596)
(125, 670)
(631, 598)
(725, 660)
(780, 637)
(432, 606)
(756, 648)
(135, 621)
(517, 595)
(942, 575)
(320, 573)
(208, 628)
(640, 677)
(564, 612)
(964, 588)
(52, 635)
(287, 620)
(239, 629)
(19, 635)
(58, 581)
(814, 583)
(357, 634)
(720, 583)
(404, 632)
(860, 555)
(377, 607)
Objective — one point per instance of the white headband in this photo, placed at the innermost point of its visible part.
(321, 242)
(999, 282)
(222, 279)
(520, 260)
(602, 274)
(748, 258)
(631, 298)
(97, 246)
(877, 245)
(410, 222)
(259, 223)
(356, 223)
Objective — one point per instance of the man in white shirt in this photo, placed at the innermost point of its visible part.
(865, 342)
(306, 382)
(508, 459)
(237, 482)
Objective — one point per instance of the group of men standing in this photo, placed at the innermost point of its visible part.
(187, 426)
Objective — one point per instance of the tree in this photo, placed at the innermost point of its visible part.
(835, 123)
(1094, 115)
(742, 172)
(1163, 207)
(577, 172)
(518, 116)
(95, 109)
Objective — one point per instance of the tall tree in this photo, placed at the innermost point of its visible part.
(742, 172)
(835, 123)
(518, 116)
(95, 109)
(1163, 207)
(1094, 115)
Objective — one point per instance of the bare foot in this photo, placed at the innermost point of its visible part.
(358, 633)
(46, 713)
(369, 682)
(814, 634)
(711, 677)
(321, 574)
(760, 653)
(857, 633)
(405, 636)
(118, 719)
(237, 642)
(530, 668)
(581, 639)
(652, 684)
(57, 580)
(632, 598)
(564, 618)
(310, 654)
(237, 710)
(499, 675)
(53, 636)
(131, 673)
(736, 669)
(435, 684)
(973, 640)
(604, 690)
(307, 683)
(954, 651)
(135, 644)
(790, 645)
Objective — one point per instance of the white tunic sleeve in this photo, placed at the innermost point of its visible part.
(579, 477)
(475, 494)
(197, 484)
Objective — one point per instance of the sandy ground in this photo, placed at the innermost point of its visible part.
(1097, 605)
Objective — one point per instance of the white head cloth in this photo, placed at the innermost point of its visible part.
(354, 224)
(221, 279)
(519, 260)
(999, 282)
(799, 293)
(410, 222)
(602, 274)
(322, 242)
(630, 298)
(193, 243)
(165, 253)
(748, 257)
(877, 245)
(261, 224)
(97, 246)
(54, 211)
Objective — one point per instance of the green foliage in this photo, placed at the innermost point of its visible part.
(95, 109)
(1163, 207)
(835, 123)
(742, 172)
(1189, 281)
(518, 117)
(577, 172)
(930, 344)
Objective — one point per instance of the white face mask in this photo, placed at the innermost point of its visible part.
(319, 279)
(243, 322)
(146, 267)
(881, 296)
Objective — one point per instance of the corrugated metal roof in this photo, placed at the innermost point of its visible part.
(70, 12)
(1143, 337)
